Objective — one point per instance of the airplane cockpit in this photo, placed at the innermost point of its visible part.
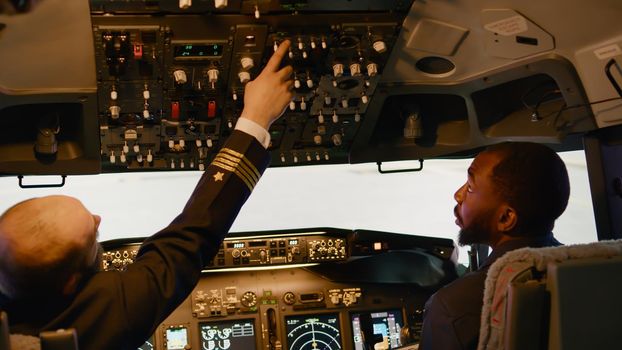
(134, 99)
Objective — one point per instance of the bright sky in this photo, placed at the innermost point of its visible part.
(342, 196)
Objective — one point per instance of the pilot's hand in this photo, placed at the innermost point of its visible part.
(266, 97)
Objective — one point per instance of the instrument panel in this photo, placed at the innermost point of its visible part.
(311, 305)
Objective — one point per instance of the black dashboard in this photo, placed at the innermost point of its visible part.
(316, 288)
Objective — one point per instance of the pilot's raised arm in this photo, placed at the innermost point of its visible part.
(48, 248)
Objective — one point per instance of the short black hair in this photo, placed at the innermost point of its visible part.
(533, 180)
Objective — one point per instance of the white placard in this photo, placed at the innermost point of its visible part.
(508, 26)
(608, 51)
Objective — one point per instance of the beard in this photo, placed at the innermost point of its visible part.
(477, 232)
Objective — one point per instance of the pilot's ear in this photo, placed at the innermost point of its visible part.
(507, 219)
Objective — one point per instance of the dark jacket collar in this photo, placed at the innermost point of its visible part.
(546, 240)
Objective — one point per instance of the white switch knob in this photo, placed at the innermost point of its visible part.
(380, 46)
(146, 114)
(149, 157)
(309, 83)
(247, 63)
(146, 94)
(115, 111)
(180, 76)
(184, 4)
(220, 4)
(199, 143)
(372, 69)
(182, 143)
(123, 158)
(317, 139)
(212, 75)
(171, 144)
(113, 158)
(335, 117)
(209, 143)
(320, 118)
(292, 105)
(245, 77)
(355, 69)
(114, 95)
(126, 148)
(338, 69)
(136, 148)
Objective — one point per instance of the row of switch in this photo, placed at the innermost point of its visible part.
(308, 156)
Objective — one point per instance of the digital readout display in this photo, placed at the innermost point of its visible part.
(198, 51)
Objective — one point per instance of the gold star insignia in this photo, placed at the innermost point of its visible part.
(218, 176)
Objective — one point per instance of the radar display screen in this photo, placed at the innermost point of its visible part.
(313, 332)
(377, 329)
(228, 335)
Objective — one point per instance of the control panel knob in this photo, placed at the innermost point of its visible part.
(184, 4)
(247, 62)
(139, 158)
(115, 112)
(313, 44)
(337, 69)
(327, 100)
(113, 94)
(301, 45)
(126, 148)
(344, 102)
(113, 158)
(212, 76)
(209, 143)
(355, 69)
(292, 105)
(123, 158)
(220, 4)
(372, 69)
(146, 114)
(320, 118)
(364, 99)
(199, 143)
(317, 139)
(136, 148)
(309, 83)
(335, 117)
(337, 140)
(234, 95)
(149, 157)
(324, 45)
(146, 94)
(182, 143)
(303, 104)
(171, 143)
(245, 77)
(380, 46)
(297, 83)
(357, 117)
(275, 46)
(180, 76)
(257, 14)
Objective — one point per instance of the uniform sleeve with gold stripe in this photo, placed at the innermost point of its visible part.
(169, 263)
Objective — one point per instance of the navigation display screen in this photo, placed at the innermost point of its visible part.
(228, 335)
(176, 338)
(373, 330)
(311, 332)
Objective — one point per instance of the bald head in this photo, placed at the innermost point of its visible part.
(42, 235)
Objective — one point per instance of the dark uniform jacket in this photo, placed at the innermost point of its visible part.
(452, 315)
(116, 310)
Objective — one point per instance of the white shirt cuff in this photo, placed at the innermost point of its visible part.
(257, 131)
